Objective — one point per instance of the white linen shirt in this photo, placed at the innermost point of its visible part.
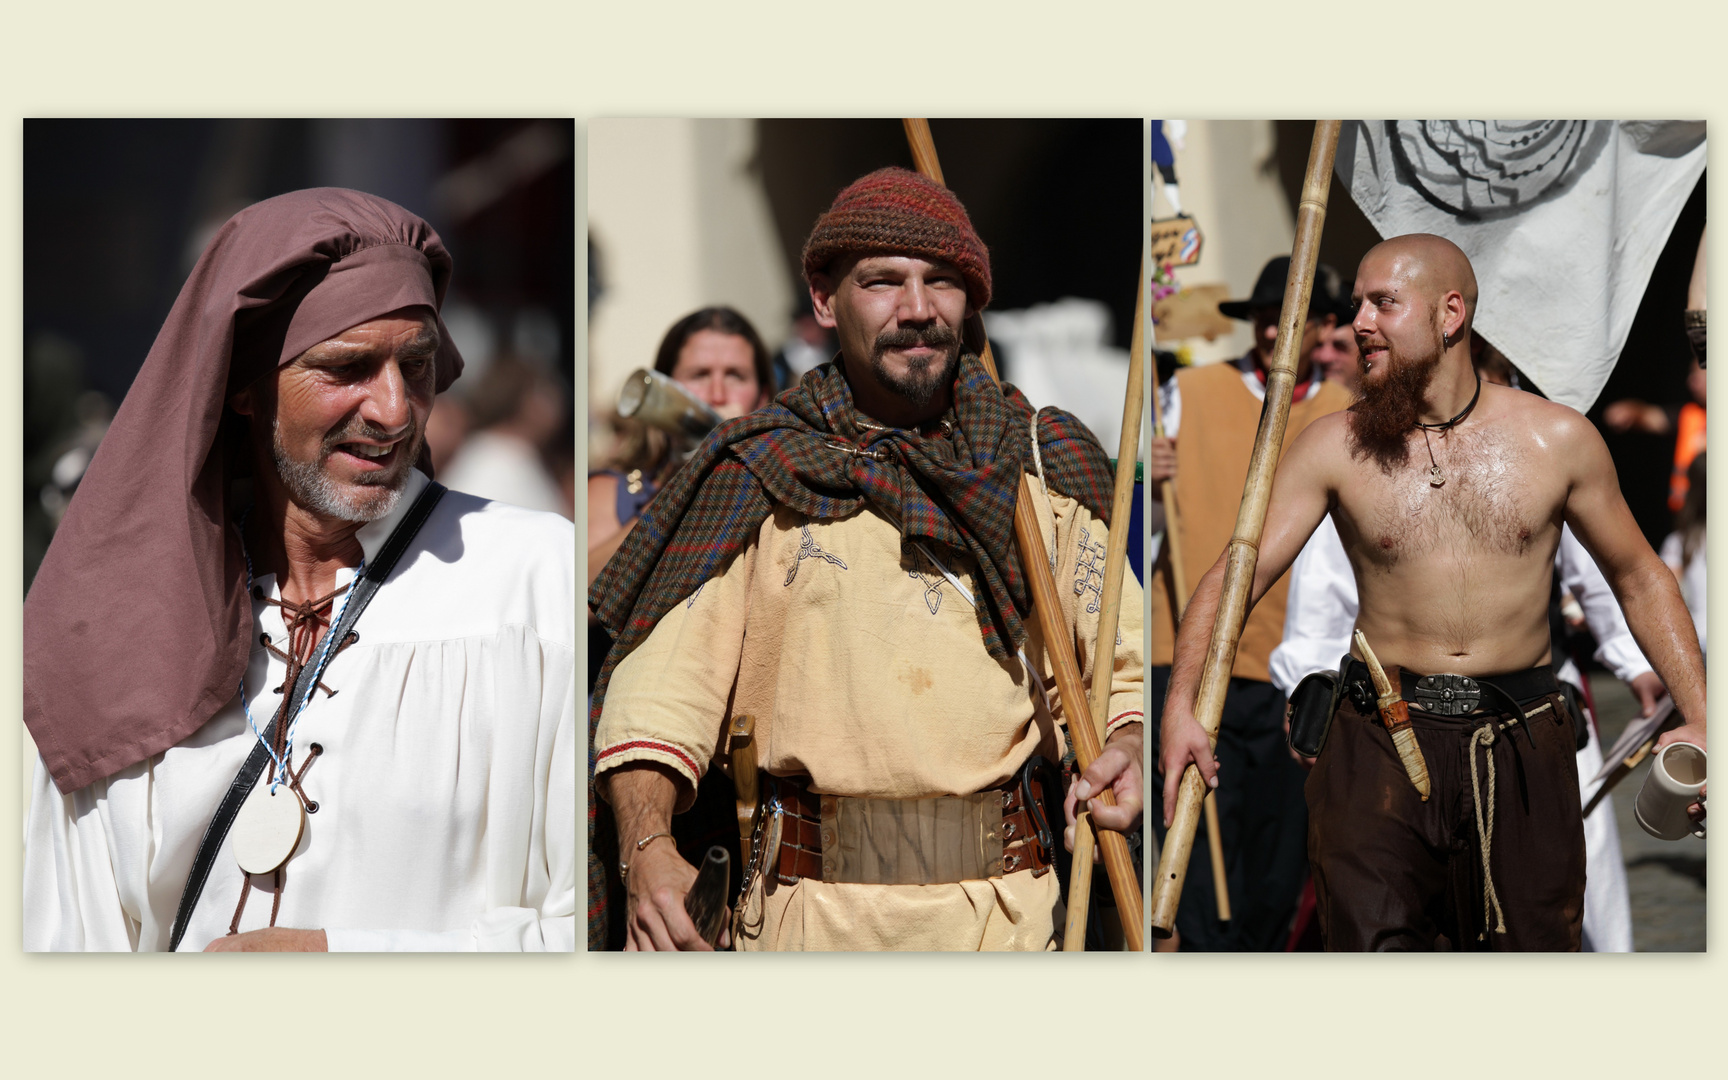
(1693, 581)
(446, 790)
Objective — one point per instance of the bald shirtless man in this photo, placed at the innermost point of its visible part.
(1449, 496)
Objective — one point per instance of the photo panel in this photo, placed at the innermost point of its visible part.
(827, 714)
(1464, 710)
(299, 471)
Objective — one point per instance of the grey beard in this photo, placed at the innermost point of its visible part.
(310, 485)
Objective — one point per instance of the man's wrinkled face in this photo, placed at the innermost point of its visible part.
(720, 369)
(898, 318)
(348, 415)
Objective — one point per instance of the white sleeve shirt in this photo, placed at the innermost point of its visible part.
(1616, 649)
(1320, 613)
(446, 790)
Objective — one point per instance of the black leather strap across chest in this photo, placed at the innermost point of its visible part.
(375, 575)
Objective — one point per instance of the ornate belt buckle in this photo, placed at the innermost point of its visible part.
(1448, 695)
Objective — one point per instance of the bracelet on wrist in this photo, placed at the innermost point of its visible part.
(624, 864)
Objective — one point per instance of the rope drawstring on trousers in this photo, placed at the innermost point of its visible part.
(1485, 735)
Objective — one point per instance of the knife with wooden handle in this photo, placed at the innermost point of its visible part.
(1395, 713)
(741, 747)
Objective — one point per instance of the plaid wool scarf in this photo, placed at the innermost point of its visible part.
(808, 451)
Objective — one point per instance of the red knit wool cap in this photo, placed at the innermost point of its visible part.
(895, 211)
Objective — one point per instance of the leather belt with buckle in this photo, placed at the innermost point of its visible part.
(1447, 695)
(905, 841)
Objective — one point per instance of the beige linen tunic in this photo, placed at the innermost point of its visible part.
(865, 671)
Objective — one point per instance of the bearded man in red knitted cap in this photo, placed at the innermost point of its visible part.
(840, 567)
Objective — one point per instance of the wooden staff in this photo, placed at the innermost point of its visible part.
(1250, 520)
(1035, 561)
(1178, 577)
(1110, 613)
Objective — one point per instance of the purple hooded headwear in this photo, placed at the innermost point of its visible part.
(137, 627)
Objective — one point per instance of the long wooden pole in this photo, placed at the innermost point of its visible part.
(1110, 612)
(1035, 562)
(1250, 519)
(1177, 572)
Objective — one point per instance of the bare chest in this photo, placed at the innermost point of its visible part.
(1491, 501)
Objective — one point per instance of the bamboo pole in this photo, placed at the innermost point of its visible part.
(1110, 613)
(1178, 576)
(1035, 562)
(1250, 519)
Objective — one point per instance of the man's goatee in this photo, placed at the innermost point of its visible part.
(1387, 411)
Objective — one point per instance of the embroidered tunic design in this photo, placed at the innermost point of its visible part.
(932, 588)
(1089, 571)
(809, 549)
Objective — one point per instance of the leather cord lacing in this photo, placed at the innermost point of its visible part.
(305, 622)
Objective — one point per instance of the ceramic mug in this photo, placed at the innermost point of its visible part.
(1676, 775)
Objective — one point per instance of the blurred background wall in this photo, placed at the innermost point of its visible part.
(1229, 184)
(678, 219)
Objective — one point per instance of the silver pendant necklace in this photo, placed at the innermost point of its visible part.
(1436, 478)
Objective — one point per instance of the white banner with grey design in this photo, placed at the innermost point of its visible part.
(1562, 219)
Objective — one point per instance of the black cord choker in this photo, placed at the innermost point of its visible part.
(1435, 477)
(1462, 413)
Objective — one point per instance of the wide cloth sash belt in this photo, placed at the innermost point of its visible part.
(1460, 695)
(932, 841)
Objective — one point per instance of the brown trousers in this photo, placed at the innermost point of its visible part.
(1394, 873)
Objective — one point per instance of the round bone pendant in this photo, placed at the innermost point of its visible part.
(267, 829)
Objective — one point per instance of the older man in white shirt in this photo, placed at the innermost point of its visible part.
(216, 721)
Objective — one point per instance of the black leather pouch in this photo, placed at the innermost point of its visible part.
(1580, 720)
(1312, 704)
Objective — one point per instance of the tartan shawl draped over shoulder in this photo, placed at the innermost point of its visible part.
(808, 452)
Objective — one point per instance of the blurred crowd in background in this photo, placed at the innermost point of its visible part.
(119, 211)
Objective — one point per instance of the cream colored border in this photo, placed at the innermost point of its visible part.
(863, 1015)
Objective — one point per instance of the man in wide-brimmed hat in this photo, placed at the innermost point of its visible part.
(840, 566)
(1211, 414)
(289, 694)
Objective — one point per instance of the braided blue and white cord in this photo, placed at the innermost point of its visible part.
(323, 660)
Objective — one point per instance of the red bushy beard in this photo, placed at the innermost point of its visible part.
(1389, 408)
